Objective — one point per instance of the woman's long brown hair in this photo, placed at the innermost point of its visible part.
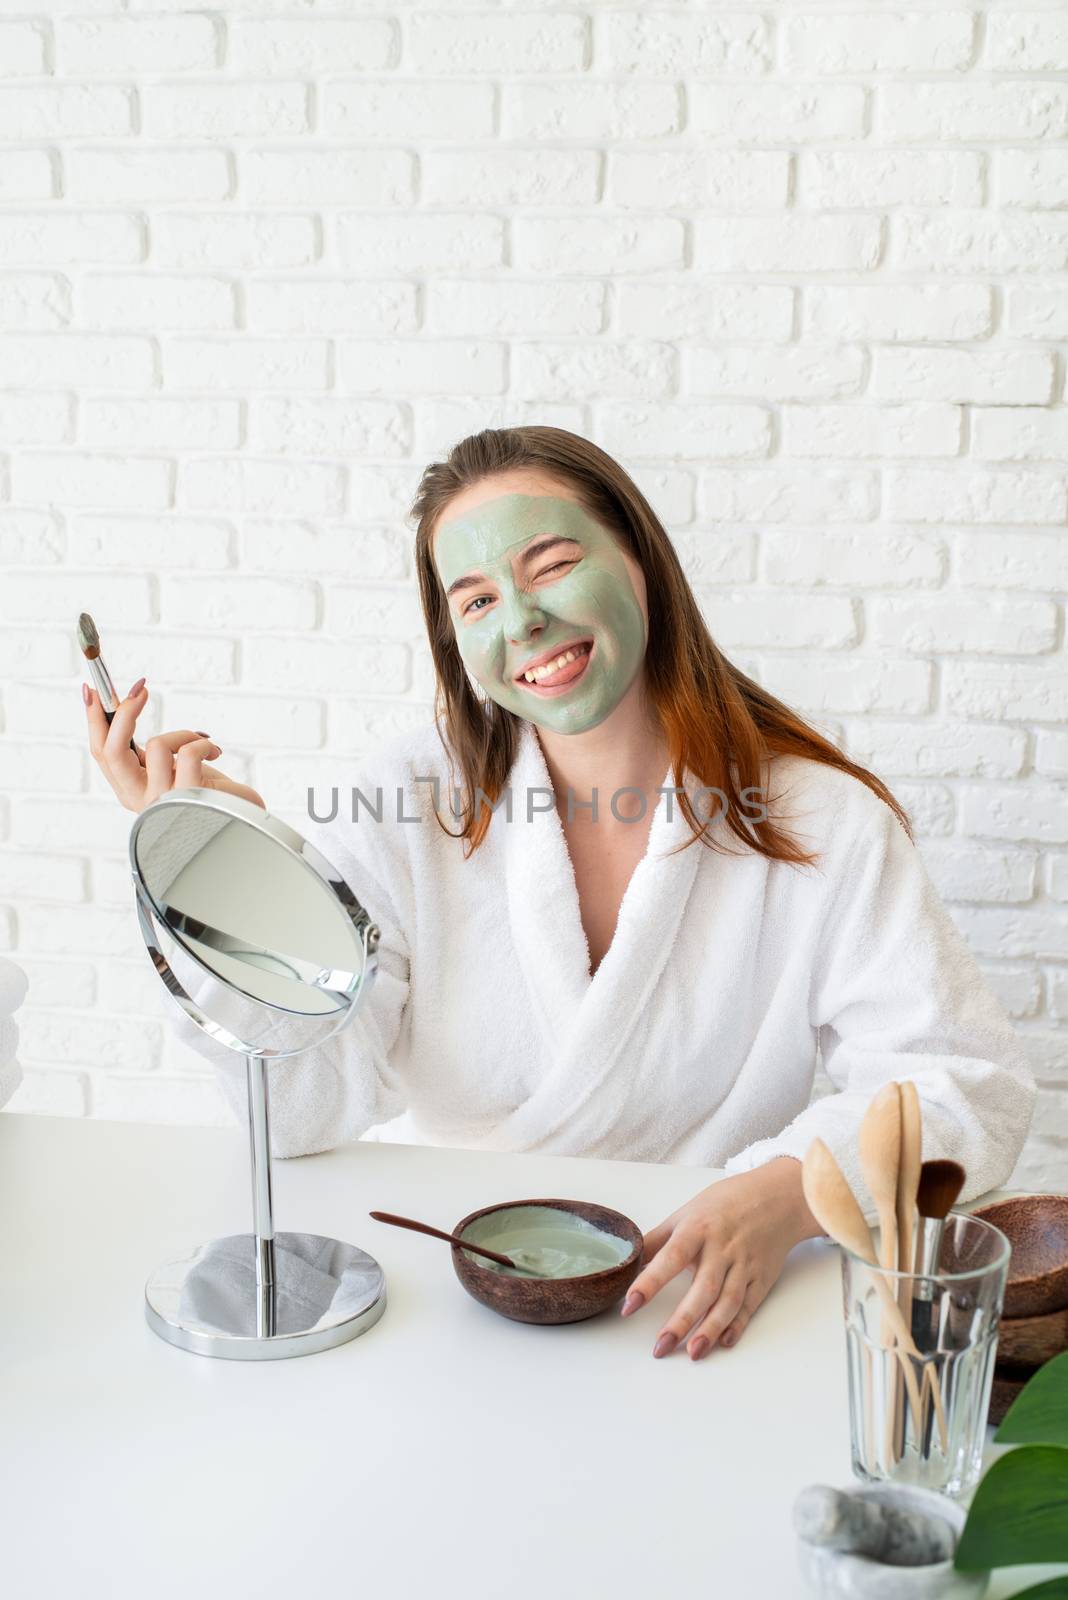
(718, 723)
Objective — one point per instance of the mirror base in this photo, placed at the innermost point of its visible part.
(208, 1303)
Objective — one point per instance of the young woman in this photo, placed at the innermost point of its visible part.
(626, 896)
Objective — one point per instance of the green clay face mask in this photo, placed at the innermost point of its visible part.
(576, 593)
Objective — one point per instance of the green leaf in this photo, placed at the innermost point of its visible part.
(1052, 1589)
(1039, 1414)
(1020, 1512)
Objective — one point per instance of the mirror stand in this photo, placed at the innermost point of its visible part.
(259, 1130)
(260, 1296)
(263, 945)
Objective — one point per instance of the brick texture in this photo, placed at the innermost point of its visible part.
(802, 267)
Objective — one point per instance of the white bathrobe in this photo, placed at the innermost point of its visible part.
(697, 1038)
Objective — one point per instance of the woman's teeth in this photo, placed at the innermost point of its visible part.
(546, 671)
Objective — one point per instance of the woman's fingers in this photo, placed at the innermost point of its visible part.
(726, 1309)
(653, 1241)
(168, 761)
(668, 1261)
(754, 1296)
(189, 765)
(706, 1288)
(110, 749)
(96, 722)
(117, 742)
(189, 746)
(656, 1238)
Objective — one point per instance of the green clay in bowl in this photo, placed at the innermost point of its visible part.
(574, 1258)
(546, 1242)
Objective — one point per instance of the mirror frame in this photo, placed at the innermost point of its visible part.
(151, 918)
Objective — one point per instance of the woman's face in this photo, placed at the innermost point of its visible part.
(530, 577)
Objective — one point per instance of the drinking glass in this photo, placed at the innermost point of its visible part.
(921, 1359)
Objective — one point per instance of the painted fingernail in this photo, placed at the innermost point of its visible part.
(665, 1344)
(85, 693)
(728, 1338)
(634, 1301)
(202, 733)
(699, 1347)
(138, 686)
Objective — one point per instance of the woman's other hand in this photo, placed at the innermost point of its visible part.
(168, 761)
(735, 1237)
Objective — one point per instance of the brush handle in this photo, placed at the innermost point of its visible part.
(437, 1233)
(928, 1250)
(925, 1265)
(105, 689)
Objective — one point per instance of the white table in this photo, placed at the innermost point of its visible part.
(447, 1452)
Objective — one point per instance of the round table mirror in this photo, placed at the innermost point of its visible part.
(262, 942)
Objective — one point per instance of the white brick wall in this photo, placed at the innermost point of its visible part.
(802, 266)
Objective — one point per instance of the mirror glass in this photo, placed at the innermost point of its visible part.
(251, 909)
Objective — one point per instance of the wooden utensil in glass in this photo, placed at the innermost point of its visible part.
(834, 1206)
(879, 1149)
(908, 1181)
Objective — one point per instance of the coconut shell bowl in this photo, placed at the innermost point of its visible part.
(1036, 1225)
(1034, 1323)
(515, 1227)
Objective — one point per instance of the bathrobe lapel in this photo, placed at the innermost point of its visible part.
(585, 1022)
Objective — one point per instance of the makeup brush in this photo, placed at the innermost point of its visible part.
(940, 1185)
(89, 643)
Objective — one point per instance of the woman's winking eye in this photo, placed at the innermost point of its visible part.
(472, 606)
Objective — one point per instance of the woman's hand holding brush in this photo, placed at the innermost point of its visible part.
(170, 760)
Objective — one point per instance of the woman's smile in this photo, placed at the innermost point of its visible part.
(559, 679)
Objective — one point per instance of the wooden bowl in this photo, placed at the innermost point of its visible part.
(550, 1300)
(1036, 1226)
(1032, 1341)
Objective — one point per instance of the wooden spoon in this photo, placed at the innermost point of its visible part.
(450, 1238)
(834, 1206)
(908, 1182)
(879, 1148)
(833, 1203)
(908, 1172)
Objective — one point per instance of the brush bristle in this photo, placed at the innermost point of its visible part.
(940, 1185)
(88, 637)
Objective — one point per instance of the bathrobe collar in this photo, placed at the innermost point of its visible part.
(584, 1021)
